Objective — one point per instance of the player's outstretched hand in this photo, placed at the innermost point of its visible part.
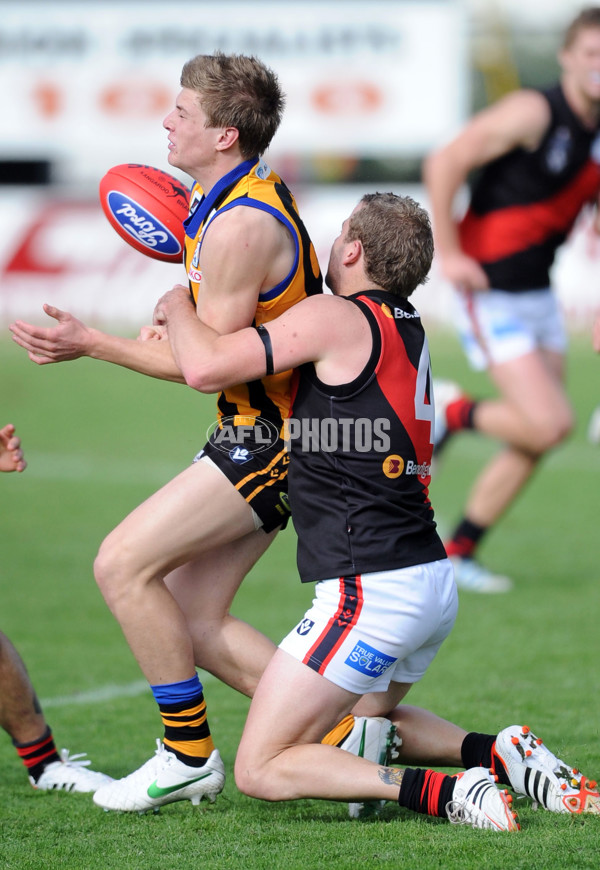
(11, 455)
(70, 339)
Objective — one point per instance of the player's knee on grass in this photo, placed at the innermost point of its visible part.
(253, 779)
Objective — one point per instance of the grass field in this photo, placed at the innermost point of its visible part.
(98, 441)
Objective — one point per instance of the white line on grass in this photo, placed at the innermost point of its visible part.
(107, 693)
(575, 456)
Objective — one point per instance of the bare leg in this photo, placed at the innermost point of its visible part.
(427, 740)
(532, 416)
(188, 518)
(227, 647)
(20, 712)
(280, 756)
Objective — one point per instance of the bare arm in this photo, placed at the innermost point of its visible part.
(245, 251)
(324, 329)
(71, 339)
(518, 120)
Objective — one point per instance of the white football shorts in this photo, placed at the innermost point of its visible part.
(364, 631)
(497, 326)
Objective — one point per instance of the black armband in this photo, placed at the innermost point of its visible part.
(266, 340)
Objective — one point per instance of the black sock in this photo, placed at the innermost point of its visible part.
(477, 750)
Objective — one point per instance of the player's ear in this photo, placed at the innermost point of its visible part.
(228, 137)
(352, 252)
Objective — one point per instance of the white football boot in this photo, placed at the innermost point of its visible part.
(375, 739)
(163, 779)
(476, 801)
(70, 774)
(473, 577)
(536, 772)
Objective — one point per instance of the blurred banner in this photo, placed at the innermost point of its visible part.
(86, 85)
(62, 250)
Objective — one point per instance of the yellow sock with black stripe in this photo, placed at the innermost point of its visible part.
(183, 712)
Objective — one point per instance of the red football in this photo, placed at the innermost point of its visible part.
(147, 207)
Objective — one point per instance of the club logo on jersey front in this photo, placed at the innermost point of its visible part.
(368, 660)
(242, 436)
(558, 150)
(140, 224)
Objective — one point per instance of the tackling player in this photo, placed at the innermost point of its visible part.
(361, 440)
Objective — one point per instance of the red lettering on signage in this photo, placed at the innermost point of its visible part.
(347, 98)
(135, 99)
(48, 99)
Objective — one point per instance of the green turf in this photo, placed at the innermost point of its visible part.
(98, 441)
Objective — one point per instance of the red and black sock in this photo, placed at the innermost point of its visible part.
(426, 791)
(465, 539)
(37, 754)
(459, 414)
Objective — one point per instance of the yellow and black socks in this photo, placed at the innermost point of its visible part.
(183, 711)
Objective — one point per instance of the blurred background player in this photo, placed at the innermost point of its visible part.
(538, 153)
(20, 713)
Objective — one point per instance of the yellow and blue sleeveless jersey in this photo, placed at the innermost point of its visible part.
(255, 185)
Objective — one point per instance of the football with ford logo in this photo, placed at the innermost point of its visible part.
(147, 207)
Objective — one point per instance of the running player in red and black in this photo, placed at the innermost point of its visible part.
(538, 153)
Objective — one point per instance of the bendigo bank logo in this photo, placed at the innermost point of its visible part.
(393, 466)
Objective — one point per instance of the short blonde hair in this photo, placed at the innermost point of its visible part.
(237, 91)
(395, 233)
